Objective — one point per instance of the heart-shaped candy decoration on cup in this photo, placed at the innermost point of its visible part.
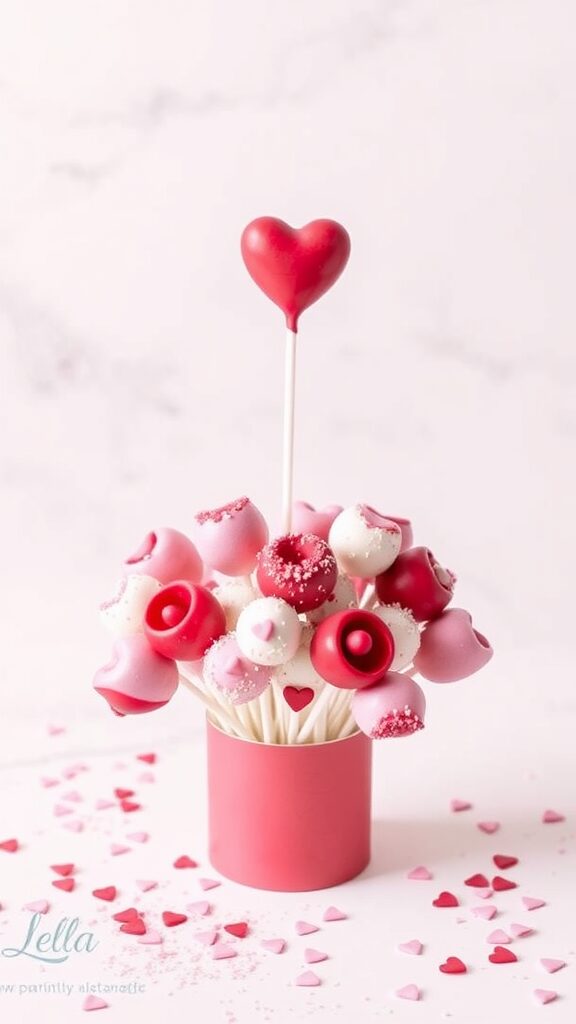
(298, 698)
(294, 266)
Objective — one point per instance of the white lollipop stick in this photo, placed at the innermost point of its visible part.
(288, 443)
(222, 718)
(322, 702)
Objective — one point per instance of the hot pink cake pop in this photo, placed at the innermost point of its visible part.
(451, 649)
(183, 620)
(418, 582)
(137, 679)
(352, 649)
(307, 519)
(229, 538)
(392, 707)
(364, 542)
(166, 555)
(298, 568)
(232, 674)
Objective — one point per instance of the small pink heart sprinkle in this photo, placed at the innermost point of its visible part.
(304, 928)
(308, 980)
(139, 837)
(414, 947)
(334, 914)
(208, 883)
(420, 874)
(263, 630)
(314, 956)
(116, 849)
(74, 826)
(207, 938)
(552, 965)
(532, 903)
(486, 913)
(499, 938)
(61, 809)
(74, 796)
(94, 1003)
(489, 827)
(222, 951)
(151, 938)
(48, 783)
(201, 907)
(409, 992)
(273, 945)
(146, 884)
(552, 817)
(233, 667)
(521, 931)
(103, 804)
(146, 777)
(545, 995)
(460, 805)
(37, 907)
(485, 894)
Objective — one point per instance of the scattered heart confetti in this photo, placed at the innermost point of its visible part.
(61, 809)
(545, 995)
(420, 874)
(414, 947)
(334, 914)
(500, 884)
(498, 938)
(65, 884)
(117, 849)
(221, 951)
(305, 928)
(552, 965)
(147, 777)
(489, 827)
(108, 893)
(532, 903)
(501, 955)
(239, 929)
(63, 869)
(521, 931)
(49, 782)
(209, 883)
(74, 826)
(37, 907)
(147, 758)
(308, 980)
(74, 796)
(503, 862)
(477, 881)
(139, 837)
(207, 938)
(460, 805)
(94, 1003)
(552, 817)
(314, 956)
(486, 913)
(298, 698)
(123, 794)
(103, 804)
(274, 945)
(131, 914)
(409, 992)
(185, 862)
(145, 884)
(151, 938)
(55, 730)
(453, 965)
(128, 806)
(446, 899)
(171, 920)
(201, 907)
(136, 927)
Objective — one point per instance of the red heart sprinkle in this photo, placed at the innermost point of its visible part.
(108, 893)
(298, 698)
(185, 862)
(502, 861)
(126, 915)
(478, 881)
(136, 927)
(123, 793)
(446, 899)
(128, 805)
(63, 869)
(171, 920)
(500, 884)
(240, 930)
(501, 955)
(294, 266)
(147, 758)
(66, 884)
(10, 845)
(453, 965)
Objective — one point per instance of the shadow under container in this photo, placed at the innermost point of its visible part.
(289, 817)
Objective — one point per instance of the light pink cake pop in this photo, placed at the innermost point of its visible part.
(166, 555)
(307, 519)
(450, 648)
(394, 706)
(137, 679)
(232, 674)
(229, 538)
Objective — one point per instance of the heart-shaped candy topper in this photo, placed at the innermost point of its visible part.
(294, 266)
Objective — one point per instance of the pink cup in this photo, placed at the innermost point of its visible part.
(289, 817)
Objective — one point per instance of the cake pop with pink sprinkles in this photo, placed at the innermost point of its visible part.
(136, 679)
(392, 707)
(232, 674)
(230, 537)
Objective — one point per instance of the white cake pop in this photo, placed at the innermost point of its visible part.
(364, 542)
(123, 614)
(300, 671)
(268, 631)
(342, 597)
(404, 629)
(233, 596)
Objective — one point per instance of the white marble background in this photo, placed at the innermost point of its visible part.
(140, 369)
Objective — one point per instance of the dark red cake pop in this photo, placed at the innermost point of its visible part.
(299, 568)
(418, 582)
(352, 649)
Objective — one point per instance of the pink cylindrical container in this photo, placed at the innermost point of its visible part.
(289, 817)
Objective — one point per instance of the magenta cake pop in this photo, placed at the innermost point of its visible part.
(268, 631)
(451, 648)
(364, 542)
(418, 582)
(394, 706)
(352, 649)
(230, 537)
(232, 674)
(307, 519)
(183, 620)
(124, 613)
(137, 679)
(299, 568)
(166, 555)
